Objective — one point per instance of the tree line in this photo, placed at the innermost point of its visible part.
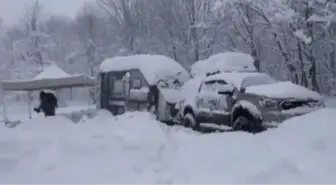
(289, 39)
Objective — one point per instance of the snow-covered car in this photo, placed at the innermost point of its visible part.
(244, 100)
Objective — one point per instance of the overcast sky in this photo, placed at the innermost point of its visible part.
(12, 10)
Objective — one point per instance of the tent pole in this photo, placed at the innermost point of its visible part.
(4, 107)
(29, 109)
(88, 87)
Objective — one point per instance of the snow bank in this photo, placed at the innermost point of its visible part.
(301, 151)
(224, 62)
(153, 67)
(125, 149)
(283, 90)
(75, 113)
(307, 147)
(18, 111)
(134, 148)
(330, 102)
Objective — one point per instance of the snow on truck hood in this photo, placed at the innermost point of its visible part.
(283, 90)
(153, 67)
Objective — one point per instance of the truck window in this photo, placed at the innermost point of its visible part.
(208, 86)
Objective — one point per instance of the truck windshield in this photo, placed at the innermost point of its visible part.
(258, 80)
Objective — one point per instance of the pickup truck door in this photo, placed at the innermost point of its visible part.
(224, 93)
(207, 101)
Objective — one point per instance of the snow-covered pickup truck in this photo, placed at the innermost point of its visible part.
(244, 100)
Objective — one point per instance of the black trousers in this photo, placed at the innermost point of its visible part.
(49, 112)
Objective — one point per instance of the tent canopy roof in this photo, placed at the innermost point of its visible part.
(52, 77)
(56, 83)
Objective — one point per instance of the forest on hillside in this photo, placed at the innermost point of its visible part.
(290, 39)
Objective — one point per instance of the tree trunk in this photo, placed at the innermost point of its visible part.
(304, 80)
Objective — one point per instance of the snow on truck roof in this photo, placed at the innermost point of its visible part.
(224, 62)
(153, 67)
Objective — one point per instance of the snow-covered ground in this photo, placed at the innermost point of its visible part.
(18, 111)
(134, 148)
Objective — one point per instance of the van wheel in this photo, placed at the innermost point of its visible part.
(189, 120)
(248, 123)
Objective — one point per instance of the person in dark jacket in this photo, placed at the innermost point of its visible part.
(48, 104)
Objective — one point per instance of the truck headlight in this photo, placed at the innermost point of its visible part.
(319, 103)
(268, 103)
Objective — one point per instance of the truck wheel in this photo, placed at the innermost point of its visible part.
(248, 123)
(189, 120)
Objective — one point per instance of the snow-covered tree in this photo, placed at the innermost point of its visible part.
(29, 52)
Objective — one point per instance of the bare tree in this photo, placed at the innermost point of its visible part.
(124, 15)
(33, 16)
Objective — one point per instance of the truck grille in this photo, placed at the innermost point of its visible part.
(287, 105)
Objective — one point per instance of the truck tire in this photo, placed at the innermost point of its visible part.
(189, 120)
(245, 121)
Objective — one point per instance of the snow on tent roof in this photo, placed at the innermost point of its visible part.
(153, 67)
(52, 72)
(224, 62)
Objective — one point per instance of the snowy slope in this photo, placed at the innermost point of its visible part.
(134, 148)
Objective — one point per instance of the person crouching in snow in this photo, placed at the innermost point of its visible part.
(48, 104)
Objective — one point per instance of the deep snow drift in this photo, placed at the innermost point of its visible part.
(134, 148)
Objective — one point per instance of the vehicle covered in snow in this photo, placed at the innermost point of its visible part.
(244, 100)
(141, 82)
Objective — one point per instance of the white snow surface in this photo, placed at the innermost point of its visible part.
(284, 90)
(224, 62)
(52, 72)
(134, 148)
(153, 67)
(18, 111)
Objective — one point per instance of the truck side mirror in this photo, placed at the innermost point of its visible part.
(230, 93)
(226, 90)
